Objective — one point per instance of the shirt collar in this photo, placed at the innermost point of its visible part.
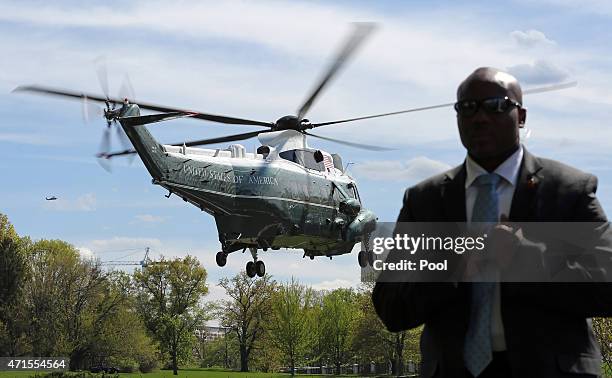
(509, 169)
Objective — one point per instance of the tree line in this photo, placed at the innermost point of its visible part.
(53, 302)
(271, 325)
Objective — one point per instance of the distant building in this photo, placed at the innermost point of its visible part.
(210, 333)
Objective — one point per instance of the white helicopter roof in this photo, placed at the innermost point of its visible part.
(284, 140)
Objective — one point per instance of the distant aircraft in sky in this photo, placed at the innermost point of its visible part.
(52, 198)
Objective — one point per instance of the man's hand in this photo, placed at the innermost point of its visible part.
(501, 247)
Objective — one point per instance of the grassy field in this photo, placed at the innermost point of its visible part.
(16, 374)
(187, 373)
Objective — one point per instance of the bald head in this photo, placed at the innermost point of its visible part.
(493, 76)
(490, 133)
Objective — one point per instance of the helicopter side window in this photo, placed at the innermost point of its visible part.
(304, 158)
(288, 155)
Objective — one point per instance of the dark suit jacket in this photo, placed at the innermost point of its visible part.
(547, 326)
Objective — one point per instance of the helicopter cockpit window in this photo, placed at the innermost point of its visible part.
(356, 194)
(352, 191)
(304, 158)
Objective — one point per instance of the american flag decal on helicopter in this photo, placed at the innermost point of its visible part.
(328, 162)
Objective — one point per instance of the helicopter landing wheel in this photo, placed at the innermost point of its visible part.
(362, 259)
(250, 269)
(311, 257)
(370, 257)
(221, 258)
(260, 268)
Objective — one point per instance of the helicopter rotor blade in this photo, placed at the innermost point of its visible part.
(359, 34)
(102, 73)
(105, 143)
(383, 114)
(105, 164)
(549, 88)
(126, 91)
(104, 148)
(62, 93)
(228, 138)
(153, 118)
(356, 145)
(201, 142)
(115, 154)
(90, 108)
(199, 115)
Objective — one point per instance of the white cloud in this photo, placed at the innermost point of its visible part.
(416, 169)
(531, 38)
(387, 53)
(383, 77)
(148, 218)
(539, 72)
(86, 202)
(85, 253)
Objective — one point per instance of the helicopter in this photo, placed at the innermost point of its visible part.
(285, 194)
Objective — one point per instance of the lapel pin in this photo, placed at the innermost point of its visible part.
(532, 183)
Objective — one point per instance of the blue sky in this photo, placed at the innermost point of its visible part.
(259, 60)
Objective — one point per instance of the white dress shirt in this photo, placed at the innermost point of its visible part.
(509, 171)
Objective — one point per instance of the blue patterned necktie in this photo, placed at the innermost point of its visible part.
(477, 352)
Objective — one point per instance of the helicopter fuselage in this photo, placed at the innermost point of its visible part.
(260, 200)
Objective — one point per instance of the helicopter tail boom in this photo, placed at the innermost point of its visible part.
(149, 149)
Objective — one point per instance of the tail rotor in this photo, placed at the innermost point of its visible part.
(111, 112)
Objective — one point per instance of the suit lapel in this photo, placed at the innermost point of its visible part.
(453, 194)
(524, 200)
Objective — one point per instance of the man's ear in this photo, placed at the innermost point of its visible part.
(522, 117)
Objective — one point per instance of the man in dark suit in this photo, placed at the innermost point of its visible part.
(529, 329)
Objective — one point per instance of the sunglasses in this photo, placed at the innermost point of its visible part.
(468, 108)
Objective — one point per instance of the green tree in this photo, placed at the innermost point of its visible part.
(247, 311)
(370, 341)
(212, 352)
(14, 273)
(373, 342)
(338, 324)
(70, 301)
(266, 356)
(316, 348)
(169, 300)
(412, 350)
(603, 331)
(13, 264)
(124, 324)
(289, 327)
(53, 302)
